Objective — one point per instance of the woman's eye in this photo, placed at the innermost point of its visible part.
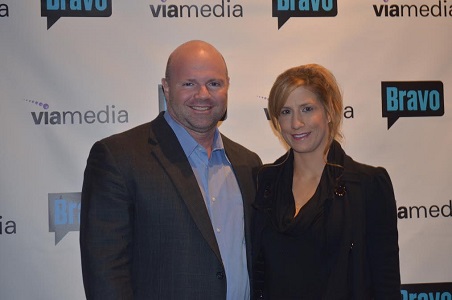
(307, 109)
(285, 112)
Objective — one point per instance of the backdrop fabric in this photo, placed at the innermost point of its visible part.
(75, 71)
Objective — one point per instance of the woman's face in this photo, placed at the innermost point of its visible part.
(304, 122)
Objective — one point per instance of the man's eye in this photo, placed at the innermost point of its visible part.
(215, 84)
(187, 84)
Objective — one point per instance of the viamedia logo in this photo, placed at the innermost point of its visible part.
(348, 111)
(64, 214)
(55, 9)
(7, 227)
(223, 9)
(424, 212)
(438, 9)
(52, 117)
(411, 99)
(4, 10)
(427, 291)
(286, 9)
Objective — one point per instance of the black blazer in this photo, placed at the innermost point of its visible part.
(145, 232)
(368, 260)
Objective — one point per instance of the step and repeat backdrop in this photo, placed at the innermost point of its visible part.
(75, 71)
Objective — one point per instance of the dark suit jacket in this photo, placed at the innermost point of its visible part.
(145, 232)
(367, 263)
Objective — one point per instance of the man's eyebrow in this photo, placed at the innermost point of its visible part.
(217, 79)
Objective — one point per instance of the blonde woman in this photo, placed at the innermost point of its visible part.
(325, 226)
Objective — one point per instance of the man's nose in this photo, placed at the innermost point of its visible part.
(203, 92)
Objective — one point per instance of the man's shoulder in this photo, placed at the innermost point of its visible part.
(137, 132)
(231, 145)
(228, 143)
(141, 131)
(237, 151)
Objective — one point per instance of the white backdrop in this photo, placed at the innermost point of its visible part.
(105, 67)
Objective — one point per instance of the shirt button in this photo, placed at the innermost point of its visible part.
(218, 229)
(220, 275)
(213, 199)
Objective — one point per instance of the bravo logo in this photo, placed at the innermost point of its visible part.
(427, 291)
(285, 9)
(55, 9)
(411, 99)
(64, 214)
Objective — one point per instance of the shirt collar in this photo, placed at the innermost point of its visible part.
(187, 142)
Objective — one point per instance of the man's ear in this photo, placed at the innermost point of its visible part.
(224, 116)
(165, 87)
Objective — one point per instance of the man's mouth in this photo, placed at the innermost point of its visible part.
(200, 108)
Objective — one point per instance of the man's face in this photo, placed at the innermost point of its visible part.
(197, 90)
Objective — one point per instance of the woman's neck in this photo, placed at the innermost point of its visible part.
(308, 165)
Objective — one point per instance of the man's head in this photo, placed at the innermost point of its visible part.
(196, 87)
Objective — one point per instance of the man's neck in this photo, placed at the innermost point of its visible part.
(204, 139)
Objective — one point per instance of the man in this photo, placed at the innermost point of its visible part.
(166, 205)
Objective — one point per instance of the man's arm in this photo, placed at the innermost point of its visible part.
(105, 228)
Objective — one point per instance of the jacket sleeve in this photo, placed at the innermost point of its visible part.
(382, 237)
(105, 228)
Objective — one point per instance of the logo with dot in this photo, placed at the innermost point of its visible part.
(38, 103)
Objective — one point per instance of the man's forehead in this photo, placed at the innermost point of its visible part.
(201, 74)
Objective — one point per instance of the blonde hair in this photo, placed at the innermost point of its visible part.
(318, 80)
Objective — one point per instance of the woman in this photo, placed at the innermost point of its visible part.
(325, 225)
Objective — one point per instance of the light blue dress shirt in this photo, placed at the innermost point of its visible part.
(223, 200)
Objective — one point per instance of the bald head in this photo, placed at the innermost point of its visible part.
(190, 49)
(196, 89)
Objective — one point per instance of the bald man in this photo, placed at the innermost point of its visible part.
(166, 206)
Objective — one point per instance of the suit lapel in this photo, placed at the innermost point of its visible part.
(247, 188)
(242, 172)
(166, 149)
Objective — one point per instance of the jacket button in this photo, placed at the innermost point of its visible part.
(267, 192)
(340, 190)
(220, 275)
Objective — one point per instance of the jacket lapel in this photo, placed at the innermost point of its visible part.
(166, 149)
(247, 188)
(242, 172)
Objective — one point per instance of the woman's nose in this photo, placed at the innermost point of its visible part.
(297, 121)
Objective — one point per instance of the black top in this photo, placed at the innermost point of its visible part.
(299, 245)
(343, 244)
(295, 249)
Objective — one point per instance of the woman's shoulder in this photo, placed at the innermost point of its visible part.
(268, 173)
(365, 172)
(363, 168)
(269, 169)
